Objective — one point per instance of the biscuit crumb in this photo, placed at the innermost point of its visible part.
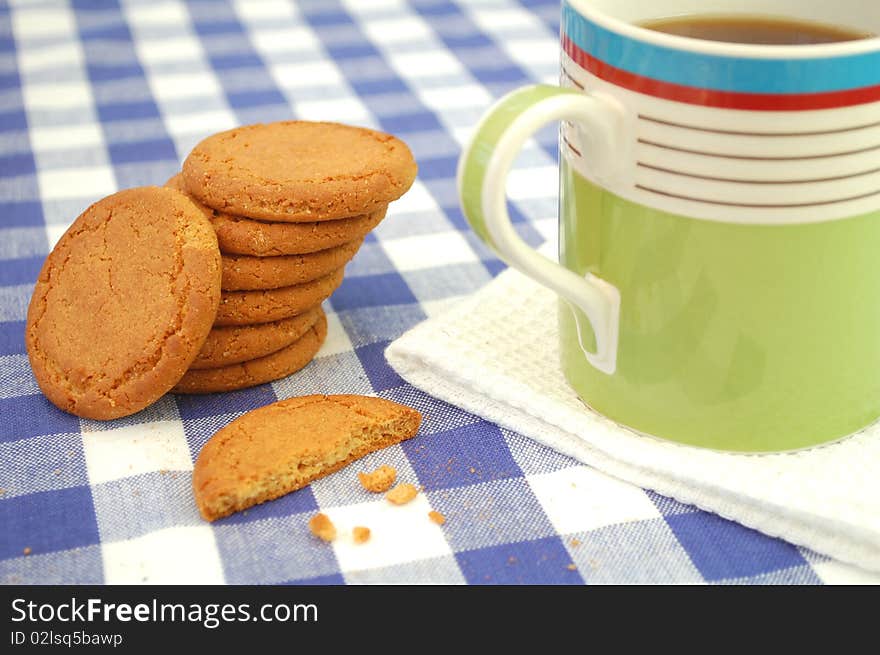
(572, 567)
(473, 470)
(360, 534)
(380, 480)
(436, 517)
(402, 494)
(56, 472)
(575, 542)
(322, 527)
(27, 550)
(2, 491)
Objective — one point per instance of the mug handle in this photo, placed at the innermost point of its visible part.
(482, 177)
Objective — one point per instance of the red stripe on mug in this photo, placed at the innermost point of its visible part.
(712, 98)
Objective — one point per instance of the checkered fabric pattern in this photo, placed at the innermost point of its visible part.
(97, 95)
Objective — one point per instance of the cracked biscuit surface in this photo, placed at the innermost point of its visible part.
(299, 171)
(123, 303)
(279, 448)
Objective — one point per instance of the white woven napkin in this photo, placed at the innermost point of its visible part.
(496, 355)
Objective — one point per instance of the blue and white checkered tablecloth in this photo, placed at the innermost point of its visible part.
(98, 95)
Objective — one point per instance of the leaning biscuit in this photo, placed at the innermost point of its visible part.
(293, 171)
(281, 447)
(123, 303)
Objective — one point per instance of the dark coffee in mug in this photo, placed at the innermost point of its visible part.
(744, 28)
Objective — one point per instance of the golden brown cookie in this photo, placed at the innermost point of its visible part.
(243, 272)
(294, 171)
(276, 449)
(240, 343)
(123, 303)
(238, 235)
(257, 371)
(263, 306)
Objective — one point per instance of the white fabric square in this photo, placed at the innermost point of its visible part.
(286, 39)
(58, 95)
(415, 65)
(67, 54)
(180, 555)
(398, 533)
(170, 49)
(135, 449)
(55, 231)
(398, 30)
(184, 85)
(92, 182)
(42, 21)
(337, 340)
(264, 9)
(200, 124)
(428, 251)
(417, 199)
(59, 137)
(305, 74)
(454, 97)
(580, 499)
(348, 110)
(156, 13)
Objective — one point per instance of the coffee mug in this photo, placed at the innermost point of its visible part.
(719, 222)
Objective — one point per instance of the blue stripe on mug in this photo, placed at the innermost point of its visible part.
(669, 67)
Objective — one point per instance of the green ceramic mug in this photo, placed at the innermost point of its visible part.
(719, 224)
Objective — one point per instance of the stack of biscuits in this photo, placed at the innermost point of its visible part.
(290, 203)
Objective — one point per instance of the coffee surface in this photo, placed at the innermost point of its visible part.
(756, 29)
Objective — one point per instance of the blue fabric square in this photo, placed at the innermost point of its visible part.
(20, 271)
(367, 87)
(440, 167)
(157, 149)
(422, 121)
(23, 212)
(47, 521)
(238, 60)
(11, 121)
(334, 579)
(541, 561)
(126, 111)
(253, 552)
(467, 455)
(490, 513)
(240, 100)
(372, 291)
(722, 549)
(17, 164)
(33, 415)
(12, 338)
(201, 405)
(208, 28)
(99, 72)
(297, 502)
(382, 376)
